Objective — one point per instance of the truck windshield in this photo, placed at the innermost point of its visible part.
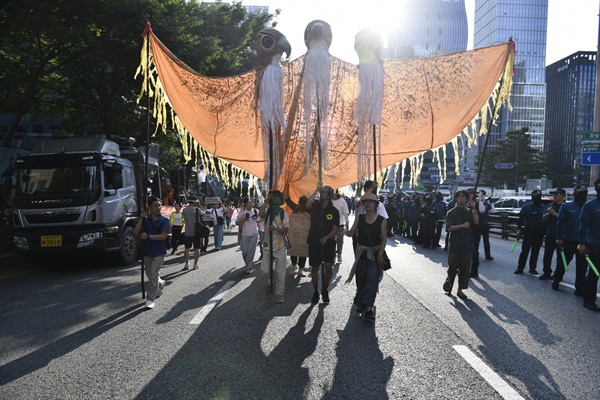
(70, 179)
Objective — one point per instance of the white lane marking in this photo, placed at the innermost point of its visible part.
(212, 303)
(499, 385)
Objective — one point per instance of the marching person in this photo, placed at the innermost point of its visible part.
(550, 241)
(192, 214)
(531, 229)
(342, 206)
(371, 230)
(589, 244)
(279, 226)
(218, 216)
(177, 223)
(324, 224)
(460, 222)
(567, 237)
(247, 223)
(153, 230)
(300, 261)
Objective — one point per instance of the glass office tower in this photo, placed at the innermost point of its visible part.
(428, 28)
(526, 21)
(570, 112)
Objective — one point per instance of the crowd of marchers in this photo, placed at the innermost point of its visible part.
(569, 229)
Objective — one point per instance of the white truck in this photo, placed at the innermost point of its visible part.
(80, 194)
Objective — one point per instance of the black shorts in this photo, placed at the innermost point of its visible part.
(189, 240)
(316, 256)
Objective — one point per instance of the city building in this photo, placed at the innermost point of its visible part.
(526, 22)
(570, 95)
(427, 28)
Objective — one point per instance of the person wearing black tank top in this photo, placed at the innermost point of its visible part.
(369, 261)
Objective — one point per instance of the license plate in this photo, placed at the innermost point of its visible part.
(52, 241)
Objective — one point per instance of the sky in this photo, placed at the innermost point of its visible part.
(572, 24)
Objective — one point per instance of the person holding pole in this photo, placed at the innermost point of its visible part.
(324, 223)
(153, 230)
(550, 239)
(589, 246)
(567, 238)
(279, 227)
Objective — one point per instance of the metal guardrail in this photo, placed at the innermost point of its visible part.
(504, 224)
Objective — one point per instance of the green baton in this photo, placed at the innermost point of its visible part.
(564, 259)
(592, 266)
(514, 245)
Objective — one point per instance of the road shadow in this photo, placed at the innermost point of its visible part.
(361, 371)
(497, 344)
(43, 356)
(219, 362)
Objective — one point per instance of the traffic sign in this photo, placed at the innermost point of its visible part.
(590, 155)
(505, 166)
(591, 136)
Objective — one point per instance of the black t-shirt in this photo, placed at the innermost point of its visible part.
(329, 216)
(461, 240)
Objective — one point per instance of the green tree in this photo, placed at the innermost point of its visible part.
(76, 59)
(514, 149)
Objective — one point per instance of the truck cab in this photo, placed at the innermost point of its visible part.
(78, 194)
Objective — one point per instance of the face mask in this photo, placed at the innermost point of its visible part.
(580, 198)
(537, 201)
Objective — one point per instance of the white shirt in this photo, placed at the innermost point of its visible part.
(342, 208)
(380, 210)
(250, 226)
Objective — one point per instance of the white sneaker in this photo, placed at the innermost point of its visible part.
(161, 284)
(149, 304)
(196, 266)
(186, 267)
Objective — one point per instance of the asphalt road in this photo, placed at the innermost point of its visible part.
(80, 331)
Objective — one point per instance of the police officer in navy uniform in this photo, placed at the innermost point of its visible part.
(567, 238)
(551, 219)
(589, 243)
(531, 229)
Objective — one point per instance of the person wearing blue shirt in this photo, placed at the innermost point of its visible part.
(551, 218)
(567, 238)
(531, 229)
(440, 215)
(589, 243)
(485, 208)
(153, 230)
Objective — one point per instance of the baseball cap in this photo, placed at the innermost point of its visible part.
(580, 188)
(328, 189)
(536, 193)
(193, 199)
(559, 191)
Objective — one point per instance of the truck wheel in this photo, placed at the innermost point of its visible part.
(129, 247)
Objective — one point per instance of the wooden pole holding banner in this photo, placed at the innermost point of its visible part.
(146, 169)
(320, 185)
(271, 214)
(374, 155)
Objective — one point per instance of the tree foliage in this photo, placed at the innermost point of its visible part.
(515, 149)
(75, 59)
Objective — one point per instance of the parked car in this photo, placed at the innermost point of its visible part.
(513, 204)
